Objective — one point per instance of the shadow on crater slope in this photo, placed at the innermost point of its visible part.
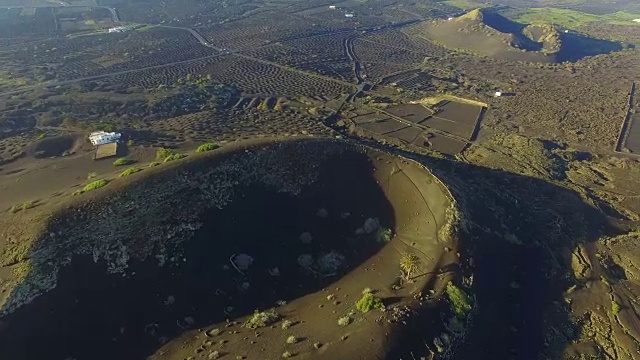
(126, 271)
(521, 233)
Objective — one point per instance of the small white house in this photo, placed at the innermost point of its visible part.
(119, 29)
(332, 7)
(636, 20)
(498, 94)
(348, 15)
(101, 137)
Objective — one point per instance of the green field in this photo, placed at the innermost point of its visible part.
(573, 19)
(465, 4)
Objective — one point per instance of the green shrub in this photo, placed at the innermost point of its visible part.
(207, 147)
(28, 205)
(131, 143)
(174, 157)
(286, 324)
(286, 355)
(129, 171)
(292, 340)
(91, 175)
(163, 153)
(262, 319)
(122, 162)
(92, 186)
(383, 235)
(154, 164)
(368, 302)
(15, 208)
(615, 307)
(460, 302)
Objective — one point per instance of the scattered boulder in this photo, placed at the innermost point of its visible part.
(330, 263)
(322, 213)
(243, 261)
(305, 261)
(306, 238)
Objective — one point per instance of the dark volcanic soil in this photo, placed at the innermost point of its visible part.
(90, 315)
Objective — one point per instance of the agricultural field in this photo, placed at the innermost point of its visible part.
(91, 55)
(324, 55)
(572, 19)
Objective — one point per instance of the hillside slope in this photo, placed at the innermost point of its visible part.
(486, 33)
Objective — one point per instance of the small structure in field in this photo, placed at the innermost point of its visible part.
(119, 29)
(105, 151)
(348, 15)
(498, 94)
(102, 137)
(636, 20)
(332, 7)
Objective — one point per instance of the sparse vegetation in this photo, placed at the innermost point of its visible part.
(21, 269)
(92, 175)
(292, 339)
(28, 205)
(154, 164)
(92, 186)
(262, 319)
(369, 302)
(207, 147)
(383, 235)
(408, 265)
(615, 307)
(14, 253)
(176, 156)
(286, 324)
(163, 153)
(460, 302)
(131, 143)
(130, 171)
(344, 321)
(287, 355)
(122, 162)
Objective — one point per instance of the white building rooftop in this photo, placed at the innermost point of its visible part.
(102, 137)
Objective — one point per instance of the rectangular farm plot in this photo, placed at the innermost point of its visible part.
(384, 126)
(440, 143)
(462, 113)
(455, 118)
(408, 134)
(449, 126)
(414, 113)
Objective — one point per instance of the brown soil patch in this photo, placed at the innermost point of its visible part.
(57, 146)
(179, 301)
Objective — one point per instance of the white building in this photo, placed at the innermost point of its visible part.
(636, 20)
(498, 94)
(332, 7)
(119, 29)
(101, 137)
(348, 15)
